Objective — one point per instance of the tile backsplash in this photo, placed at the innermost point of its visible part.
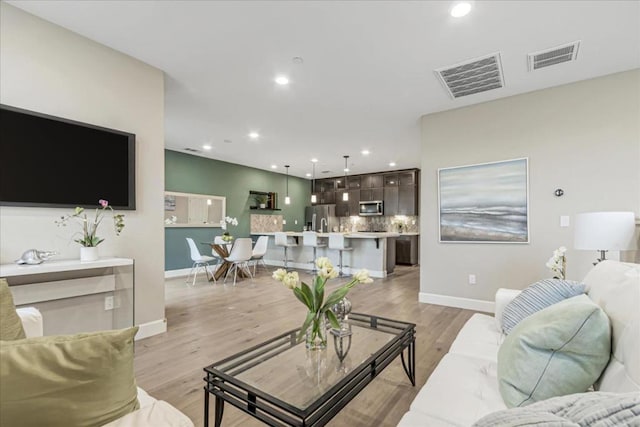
(266, 223)
(409, 224)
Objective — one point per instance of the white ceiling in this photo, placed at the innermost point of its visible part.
(367, 75)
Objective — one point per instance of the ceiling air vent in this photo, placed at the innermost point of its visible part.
(555, 55)
(474, 76)
(193, 150)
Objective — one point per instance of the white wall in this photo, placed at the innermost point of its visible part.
(583, 138)
(49, 69)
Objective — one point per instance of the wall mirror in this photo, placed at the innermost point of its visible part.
(193, 210)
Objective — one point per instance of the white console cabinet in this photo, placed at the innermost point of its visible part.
(76, 296)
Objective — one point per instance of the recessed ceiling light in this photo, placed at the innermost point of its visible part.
(346, 169)
(365, 152)
(307, 174)
(314, 160)
(392, 164)
(460, 9)
(254, 135)
(274, 167)
(206, 147)
(282, 80)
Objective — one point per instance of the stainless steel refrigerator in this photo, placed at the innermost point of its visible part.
(321, 218)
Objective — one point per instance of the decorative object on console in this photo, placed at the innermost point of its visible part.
(487, 202)
(35, 256)
(536, 297)
(320, 310)
(558, 263)
(605, 231)
(89, 240)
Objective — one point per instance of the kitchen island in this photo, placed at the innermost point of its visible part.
(373, 251)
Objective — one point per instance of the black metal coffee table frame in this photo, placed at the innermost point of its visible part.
(275, 412)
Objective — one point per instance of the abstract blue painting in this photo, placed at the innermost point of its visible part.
(484, 203)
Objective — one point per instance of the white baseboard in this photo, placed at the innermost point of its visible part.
(170, 274)
(150, 329)
(458, 302)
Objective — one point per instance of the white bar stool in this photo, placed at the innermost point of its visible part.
(283, 240)
(310, 238)
(337, 241)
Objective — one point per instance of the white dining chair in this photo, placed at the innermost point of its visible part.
(283, 240)
(199, 261)
(259, 251)
(239, 256)
(337, 242)
(310, 238)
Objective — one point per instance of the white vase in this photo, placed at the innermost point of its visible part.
(88, 254)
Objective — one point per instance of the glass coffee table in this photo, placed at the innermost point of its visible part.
(282, 383)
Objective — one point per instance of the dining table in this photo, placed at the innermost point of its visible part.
(223, 250)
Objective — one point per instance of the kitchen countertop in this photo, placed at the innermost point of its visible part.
(356, 235)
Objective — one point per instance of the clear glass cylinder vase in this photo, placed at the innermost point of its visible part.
(316, 335)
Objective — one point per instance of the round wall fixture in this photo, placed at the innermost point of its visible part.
(559, 192)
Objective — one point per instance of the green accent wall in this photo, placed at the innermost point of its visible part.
(194, 174)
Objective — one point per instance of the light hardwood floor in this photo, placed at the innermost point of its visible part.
(209, 322)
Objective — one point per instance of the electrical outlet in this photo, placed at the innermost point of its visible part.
(472, 279)
(108, 302)
(564, 220)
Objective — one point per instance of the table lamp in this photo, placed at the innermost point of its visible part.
(604, 231)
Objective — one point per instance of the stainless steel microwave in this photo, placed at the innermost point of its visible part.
(372, 208)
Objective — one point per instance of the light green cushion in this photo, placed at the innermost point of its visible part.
(10, 323)
(67, 380)
(559, 350)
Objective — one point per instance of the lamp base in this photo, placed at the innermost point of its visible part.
(603, 257)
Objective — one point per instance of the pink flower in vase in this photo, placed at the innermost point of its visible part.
(103, 203)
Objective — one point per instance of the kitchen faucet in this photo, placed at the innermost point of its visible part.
(323, 219)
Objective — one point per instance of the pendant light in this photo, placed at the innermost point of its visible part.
(287, 199)
(314, 198)
(345, 195)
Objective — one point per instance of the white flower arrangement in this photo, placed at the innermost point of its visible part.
(313, 297)
(228, 220)
(558, 263)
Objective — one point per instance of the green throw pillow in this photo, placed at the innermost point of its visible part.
(559, 350)
(67, 380)
(10, 323)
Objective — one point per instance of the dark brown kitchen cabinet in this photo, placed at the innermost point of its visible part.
(371, 181)
(407, 178)
(390, 201)
(371, 195)
(353, 182)
(326, 185)
(407, 250)
(407, 200)
(391, 180)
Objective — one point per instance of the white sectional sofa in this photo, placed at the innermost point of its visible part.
(152, 412)
(464, 386)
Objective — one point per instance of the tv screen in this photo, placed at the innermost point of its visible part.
(53, 162)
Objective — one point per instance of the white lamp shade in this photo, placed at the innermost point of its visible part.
(345, 196)
(287, 200)
(314, 199)
(603, 231)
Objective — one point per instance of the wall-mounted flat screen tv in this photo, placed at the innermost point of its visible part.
(48, 161)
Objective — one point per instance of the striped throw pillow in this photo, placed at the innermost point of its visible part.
(540, 295)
